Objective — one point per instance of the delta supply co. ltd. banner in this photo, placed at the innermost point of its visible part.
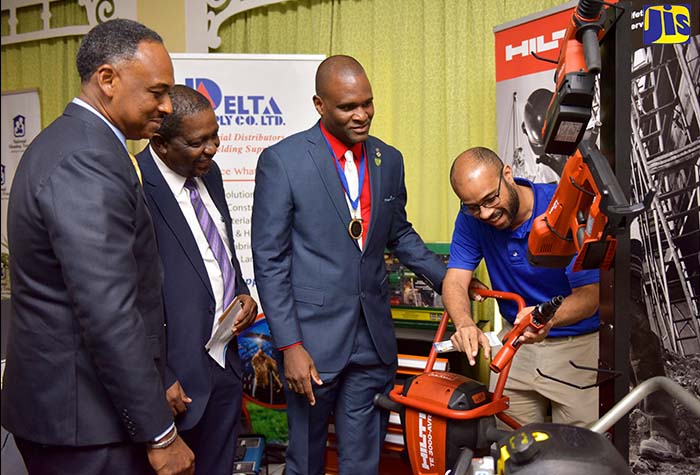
(258, 101)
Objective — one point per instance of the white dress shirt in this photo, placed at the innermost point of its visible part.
(182, 196)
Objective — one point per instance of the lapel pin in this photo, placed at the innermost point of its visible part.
(377, 157)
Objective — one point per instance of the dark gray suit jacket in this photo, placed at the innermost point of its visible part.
(87, 339)
(189, 300)
(312, 277)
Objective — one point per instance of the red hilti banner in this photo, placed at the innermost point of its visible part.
(524, 87)
(540, 36)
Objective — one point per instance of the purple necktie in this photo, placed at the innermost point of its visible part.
(214, 239)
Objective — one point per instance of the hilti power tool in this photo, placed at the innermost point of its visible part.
(536, 320)
(449, 420)
(588, 208)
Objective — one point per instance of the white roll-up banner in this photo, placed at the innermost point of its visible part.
(21, 122)
(258, 101)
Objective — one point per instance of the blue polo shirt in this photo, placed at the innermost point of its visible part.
(505, 252)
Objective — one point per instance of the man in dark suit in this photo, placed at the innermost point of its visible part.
(204, 395)
(82, 390)
(327, 203)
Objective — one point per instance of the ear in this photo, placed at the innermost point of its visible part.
(318, 104)
(107, 79)
(159, 144)
(508, 173)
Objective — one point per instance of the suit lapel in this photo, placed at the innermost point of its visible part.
(162, 196)
(318, 150)
(375, 182)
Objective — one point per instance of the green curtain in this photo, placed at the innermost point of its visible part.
(432, 68)
(431, 63)
(46, 65)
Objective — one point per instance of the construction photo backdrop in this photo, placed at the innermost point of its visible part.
(665, 124)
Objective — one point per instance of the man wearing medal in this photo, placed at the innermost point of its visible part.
(328, 202)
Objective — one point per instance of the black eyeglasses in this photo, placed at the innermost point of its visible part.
(489, 202)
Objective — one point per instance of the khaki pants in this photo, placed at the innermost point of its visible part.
(531, 395)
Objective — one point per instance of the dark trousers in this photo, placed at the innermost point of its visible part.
(113, 459)
(360, 427)
(213, 438)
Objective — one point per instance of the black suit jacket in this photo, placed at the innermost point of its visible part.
(189, 300)
(86, 339)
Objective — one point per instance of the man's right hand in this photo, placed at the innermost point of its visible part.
(299, 369)
(468, 338)
(175, 459)
(458, 286)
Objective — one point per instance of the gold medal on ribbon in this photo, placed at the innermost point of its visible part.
(355, 228)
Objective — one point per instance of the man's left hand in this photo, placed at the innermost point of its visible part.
(532, 335)
(249, 310)
(177, 398)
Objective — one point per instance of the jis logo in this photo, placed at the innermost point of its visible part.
(238, 110)
(666, 24)
(18, 126)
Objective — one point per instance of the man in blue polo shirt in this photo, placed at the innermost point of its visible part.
(493, 224)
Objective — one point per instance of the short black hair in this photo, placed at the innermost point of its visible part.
(111, 42)
(186, 101)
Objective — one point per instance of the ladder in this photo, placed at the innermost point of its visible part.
(665, 116)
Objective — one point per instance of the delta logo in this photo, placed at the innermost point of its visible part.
(666, 24)
(238, 110)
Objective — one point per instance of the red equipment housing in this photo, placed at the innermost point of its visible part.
(443, 412)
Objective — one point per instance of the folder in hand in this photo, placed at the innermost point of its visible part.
(216, 346)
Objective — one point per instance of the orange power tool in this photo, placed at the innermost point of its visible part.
(589, 208)
(537, 319)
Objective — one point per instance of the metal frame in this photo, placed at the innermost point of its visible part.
(615, 283)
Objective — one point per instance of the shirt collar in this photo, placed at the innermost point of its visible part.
(175, 182)
(117, 132)
(339, 148)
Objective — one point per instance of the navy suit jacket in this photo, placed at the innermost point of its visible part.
(86, 339)
(312, 277)
(189, 300)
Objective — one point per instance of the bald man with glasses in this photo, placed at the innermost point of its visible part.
(491, 201)
(494, 222)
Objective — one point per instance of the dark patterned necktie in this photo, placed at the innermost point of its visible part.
(215, 243)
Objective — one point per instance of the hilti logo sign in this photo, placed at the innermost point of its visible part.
(425, 433)
(537, 44)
